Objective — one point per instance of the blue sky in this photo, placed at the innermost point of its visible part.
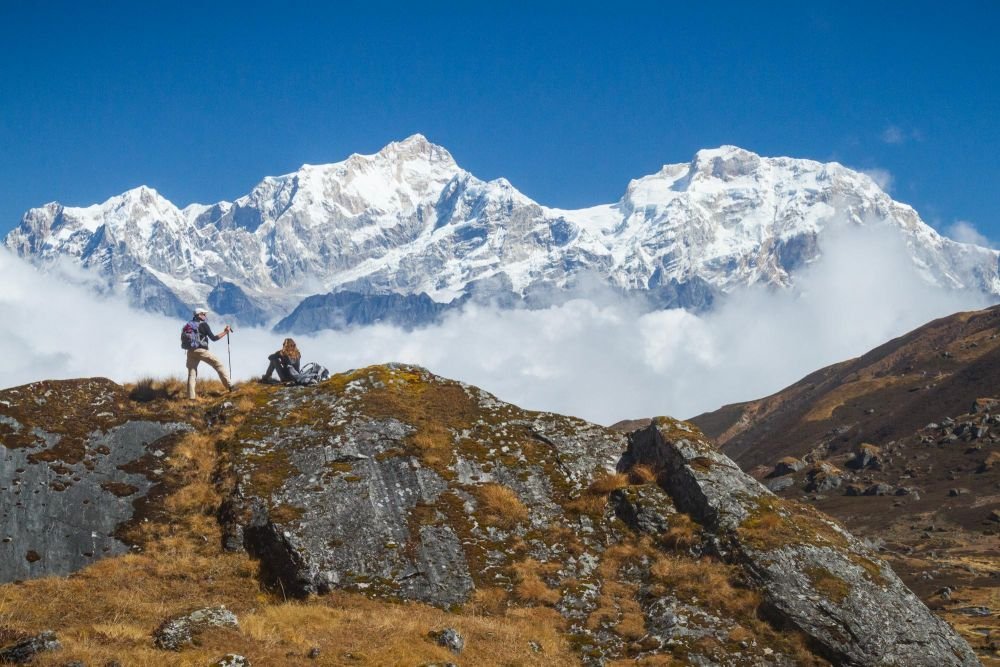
(567, 101)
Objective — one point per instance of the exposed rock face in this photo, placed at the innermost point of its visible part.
(815, 575)
(344, 497)
(395, 482)
(176, 633)
(73, 464)
(345, 309)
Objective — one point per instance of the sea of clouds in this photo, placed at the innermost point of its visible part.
(596, 356)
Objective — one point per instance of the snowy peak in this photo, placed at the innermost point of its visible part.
(409, 220)
(725, 163)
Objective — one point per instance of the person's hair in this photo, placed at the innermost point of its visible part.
(290, 350)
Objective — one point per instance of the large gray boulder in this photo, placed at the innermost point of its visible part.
(815, 576)
(74, 464)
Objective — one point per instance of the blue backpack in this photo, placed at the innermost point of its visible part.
(190, 338)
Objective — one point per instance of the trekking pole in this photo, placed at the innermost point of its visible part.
(229, 351)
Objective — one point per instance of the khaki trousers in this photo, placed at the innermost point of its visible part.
(194, 357)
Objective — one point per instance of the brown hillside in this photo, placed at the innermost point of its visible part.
(903, 446)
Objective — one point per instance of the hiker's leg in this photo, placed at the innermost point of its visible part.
(192, 367)
(219, 367)
(271, 367)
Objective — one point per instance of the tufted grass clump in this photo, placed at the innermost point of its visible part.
(501, 506)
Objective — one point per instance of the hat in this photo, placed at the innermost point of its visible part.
(200, 311)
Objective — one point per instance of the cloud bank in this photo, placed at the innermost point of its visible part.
(593, 357)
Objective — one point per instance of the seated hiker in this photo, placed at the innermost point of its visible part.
(285, 361)
(194, 338)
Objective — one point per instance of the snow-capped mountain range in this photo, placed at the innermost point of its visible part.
(408, 221)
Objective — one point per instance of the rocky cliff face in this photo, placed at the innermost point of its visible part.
(390, 483)
(398, 483)
(409, 220)
(76, 460)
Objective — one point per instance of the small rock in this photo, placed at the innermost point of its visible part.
(450, 638)
(313, 653)
(974, 611)
(866, 456)
(786, 466)
(535, 647)
(232, 660)
(780, 484)
(180, 631)
(958, 492)
(879, 489)
(994, 516)
(25, 651)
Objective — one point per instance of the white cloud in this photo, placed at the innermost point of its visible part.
(882, 178)
(893, 135)
(966, 232)
(596, 357)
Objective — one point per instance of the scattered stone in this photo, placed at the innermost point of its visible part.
(960, 491)
(787, 466)
(992, 460)
(180, 631)
(974, 611)
(780, 484)
(232, 660)
(854, 490)
(994, 515)
(535, 646)
(866, 456)
(313, 653)
(981, 405)
(823, 476)
(879, 489)
(450, 638)
(25, 650)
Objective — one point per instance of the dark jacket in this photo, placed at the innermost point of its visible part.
(285, 366)
(205, 334)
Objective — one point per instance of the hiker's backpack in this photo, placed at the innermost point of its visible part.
(190, 338)
(312, 373)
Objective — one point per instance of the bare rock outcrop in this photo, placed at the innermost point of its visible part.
(815, 576)
(75, 460)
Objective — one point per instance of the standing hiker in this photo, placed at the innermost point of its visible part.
(194, 339)
(285, 361)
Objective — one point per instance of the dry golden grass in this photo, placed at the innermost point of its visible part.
(706, 580)
(606, 482)
(530, 587)
(825, 407)
(617, 607)
(501, 507)
(683, 532)
(641, 474)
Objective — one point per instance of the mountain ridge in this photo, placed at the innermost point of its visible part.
(409, 220)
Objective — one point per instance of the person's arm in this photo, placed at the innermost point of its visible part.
(208, 331)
